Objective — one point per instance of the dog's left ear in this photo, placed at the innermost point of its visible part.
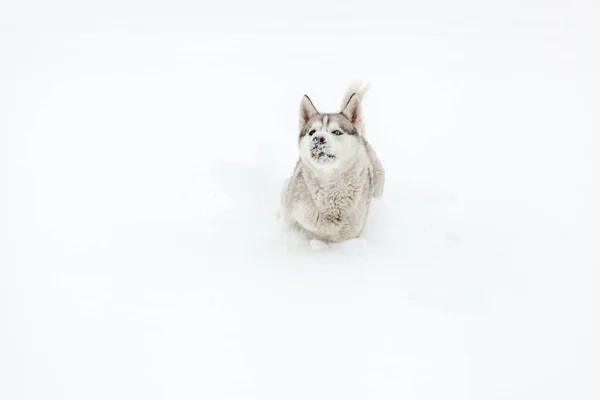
(353, 111)
(307, 111)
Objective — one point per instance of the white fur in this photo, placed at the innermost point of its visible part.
(357, 87)
(360, 90)
(329, 198)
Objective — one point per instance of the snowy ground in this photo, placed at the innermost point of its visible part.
(142, 150)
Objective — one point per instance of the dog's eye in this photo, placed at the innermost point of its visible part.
(337, 133)
(311, 132)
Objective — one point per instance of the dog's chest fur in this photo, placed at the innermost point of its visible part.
(330, 209)
(337, 196)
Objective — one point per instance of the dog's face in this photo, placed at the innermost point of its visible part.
(329, 142)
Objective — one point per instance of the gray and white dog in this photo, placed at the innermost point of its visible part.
(338, 173)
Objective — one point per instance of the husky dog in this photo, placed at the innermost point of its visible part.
(337, 174)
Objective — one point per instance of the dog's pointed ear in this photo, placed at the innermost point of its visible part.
(353, 110)
(307, 111)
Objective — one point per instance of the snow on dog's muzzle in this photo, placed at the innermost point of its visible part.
(320, 150)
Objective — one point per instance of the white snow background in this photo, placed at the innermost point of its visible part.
(143, 146)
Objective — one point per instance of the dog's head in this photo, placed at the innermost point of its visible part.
(330, 142)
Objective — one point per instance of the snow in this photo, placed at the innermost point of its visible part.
(143, 147)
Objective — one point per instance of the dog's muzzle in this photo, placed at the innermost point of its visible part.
(320, 150)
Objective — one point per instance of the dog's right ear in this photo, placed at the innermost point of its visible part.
(307, 111)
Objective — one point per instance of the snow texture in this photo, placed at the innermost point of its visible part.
(143, 146)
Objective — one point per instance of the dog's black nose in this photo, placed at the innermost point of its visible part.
(319, 139)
